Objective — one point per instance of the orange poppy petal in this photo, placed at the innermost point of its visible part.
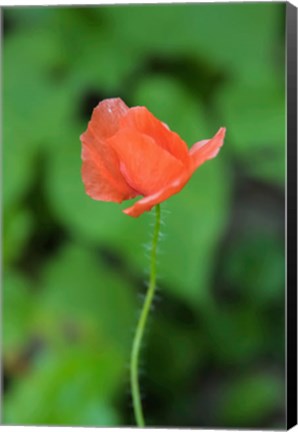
(106, 116)
(146, 167)
(100, 188)
(98, 181)
(141, 119)
(100, 171)
(146, 204)
(206, 149)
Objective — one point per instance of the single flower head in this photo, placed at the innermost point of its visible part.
(128, 152)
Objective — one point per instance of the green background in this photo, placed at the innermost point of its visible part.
(75, 270)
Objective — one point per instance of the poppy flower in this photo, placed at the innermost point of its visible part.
(127, 152)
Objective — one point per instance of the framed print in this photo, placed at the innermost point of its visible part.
(149, 215)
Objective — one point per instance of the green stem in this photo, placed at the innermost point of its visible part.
(137, 405)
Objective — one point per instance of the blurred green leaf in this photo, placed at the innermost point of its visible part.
(22, 18)
(184, 347)
(254, 116)
(111, 68)
(73, 383)
(31, 95)
(18, 226)
(34, 107)
(18, 171)
(76, 286)
(74, 387)
(236, 334)
(255, 120)
(271, 169)
(18, 306)
(256, 264)
(209, 33)
(250, 399)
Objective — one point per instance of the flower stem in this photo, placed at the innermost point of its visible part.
(137, 405)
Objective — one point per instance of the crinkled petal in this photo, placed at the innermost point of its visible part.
(206, 149)
(106, 117)
(141, 119)
(101, 170)
(146, 167)
(99, 183)
(146, 204)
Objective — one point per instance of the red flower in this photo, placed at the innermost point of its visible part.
(128, 152)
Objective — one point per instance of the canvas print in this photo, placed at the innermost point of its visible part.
(144, 215)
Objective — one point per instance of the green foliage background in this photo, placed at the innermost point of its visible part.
(74, 268)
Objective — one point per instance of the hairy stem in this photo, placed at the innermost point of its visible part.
(135, 388)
